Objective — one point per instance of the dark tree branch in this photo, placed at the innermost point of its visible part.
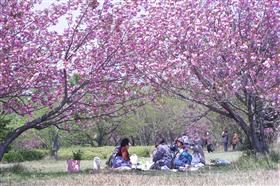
(65, 84)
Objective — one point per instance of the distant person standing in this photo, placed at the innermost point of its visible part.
(225, 139)
(209, 142)
(235, 140)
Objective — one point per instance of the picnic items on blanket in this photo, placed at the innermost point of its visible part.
(123, 168)
(145, 166)
(135, 164)
(193, 168)
(96, 163)
(134, 159)
(219, 162)
(198, 165)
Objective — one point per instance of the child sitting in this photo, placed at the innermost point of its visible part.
(183, 158)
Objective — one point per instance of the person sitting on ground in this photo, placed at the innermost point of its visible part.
(183, 158)
(109, 162)
(198, 154)
(122, 156)
(162, 156)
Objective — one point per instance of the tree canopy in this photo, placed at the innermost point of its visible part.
(223, 55)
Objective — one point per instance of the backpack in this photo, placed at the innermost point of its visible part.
(109, 162)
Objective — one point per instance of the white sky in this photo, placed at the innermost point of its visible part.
(62, 21)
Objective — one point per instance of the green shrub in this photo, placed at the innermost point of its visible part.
(250, 160)
(24, 155)
(141, 151)
(274, 156)
(103, 152)
(13, 156)
(246, 146)
(77, 155)
(88, 152)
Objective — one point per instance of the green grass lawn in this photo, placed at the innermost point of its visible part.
(50, 172)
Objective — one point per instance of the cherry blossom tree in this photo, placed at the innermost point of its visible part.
(81, 72)
(221, 54)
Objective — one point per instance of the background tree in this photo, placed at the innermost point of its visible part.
(223, 55)
(39, 64)
(95, 135)
(165, 116)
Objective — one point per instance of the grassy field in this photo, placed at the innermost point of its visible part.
(49, 172)
(233, 177)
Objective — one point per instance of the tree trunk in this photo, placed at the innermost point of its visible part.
(55, 146)
(100, 140)
(89, 140)
(10, 138)
(256, 119)
(259, 145)
(257, 139)
(18, 131)
(132, 140)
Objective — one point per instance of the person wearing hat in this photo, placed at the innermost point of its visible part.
(183, 158)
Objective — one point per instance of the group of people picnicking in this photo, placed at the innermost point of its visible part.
(181, 155)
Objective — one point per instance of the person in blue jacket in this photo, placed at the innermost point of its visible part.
(183, 158)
